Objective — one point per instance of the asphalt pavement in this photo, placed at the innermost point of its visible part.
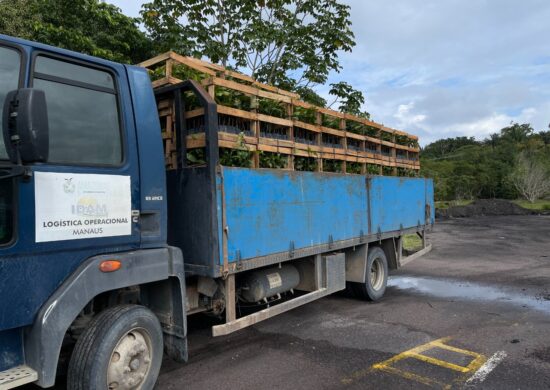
(473, 313)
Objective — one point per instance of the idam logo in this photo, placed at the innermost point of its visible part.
(89, 207)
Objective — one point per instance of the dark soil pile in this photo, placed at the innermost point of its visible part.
(484, 207)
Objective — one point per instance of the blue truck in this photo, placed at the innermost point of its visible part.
(104, 253)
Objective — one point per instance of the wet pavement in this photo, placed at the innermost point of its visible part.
(474, 313)
(453, 289)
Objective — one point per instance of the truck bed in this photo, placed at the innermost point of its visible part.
(266, 216)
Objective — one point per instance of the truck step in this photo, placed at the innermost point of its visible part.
(251, 319)
(17, 376)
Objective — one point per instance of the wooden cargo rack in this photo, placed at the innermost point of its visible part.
(262, 126)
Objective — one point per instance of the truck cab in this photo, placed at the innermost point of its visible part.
(96, 195)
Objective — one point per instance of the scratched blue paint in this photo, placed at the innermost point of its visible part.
(267, 209)
(396, 201)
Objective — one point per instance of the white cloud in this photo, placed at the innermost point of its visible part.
(442, 68)
(406, 116)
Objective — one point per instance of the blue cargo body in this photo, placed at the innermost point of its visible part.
(270, 211)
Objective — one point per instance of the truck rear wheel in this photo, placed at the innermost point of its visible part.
(376, 278)
(120, 349)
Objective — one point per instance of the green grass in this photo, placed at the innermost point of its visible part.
(444, 204)
(412, 242)
(541, 204)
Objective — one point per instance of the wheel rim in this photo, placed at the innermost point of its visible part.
(130, 361)
(376, 274)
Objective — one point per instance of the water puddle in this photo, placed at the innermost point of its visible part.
(460, 290)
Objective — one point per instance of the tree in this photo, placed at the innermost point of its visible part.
(350, 100)
(516, 133)
(18, 18)
(531, 178)
(292, 44)
(88, 26)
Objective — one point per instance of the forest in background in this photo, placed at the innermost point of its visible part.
(510, 164)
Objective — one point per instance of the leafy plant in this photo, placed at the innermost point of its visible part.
(385, 136)
(273, 160)
(232, 98)
(196, 157)
(307, 115)
(387, 171)
(332, 166)
(272, 108)
(331, 121)
(373, 169)
(238, 157)
(353, 167)
(305, 164)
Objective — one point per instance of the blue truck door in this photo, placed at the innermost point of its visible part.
(92, 154)
(79, 204)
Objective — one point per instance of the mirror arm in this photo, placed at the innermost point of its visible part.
(16, 171)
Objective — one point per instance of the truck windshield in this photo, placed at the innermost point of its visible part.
(10, 65)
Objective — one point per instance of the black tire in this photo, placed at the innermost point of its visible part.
(128, 328)
(373, 290)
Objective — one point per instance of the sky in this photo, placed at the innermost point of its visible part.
(446, 68)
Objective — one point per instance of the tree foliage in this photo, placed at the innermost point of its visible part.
(87, 26)
(293, 44)
(464, 168)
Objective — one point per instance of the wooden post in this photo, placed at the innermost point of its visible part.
(319, 121)
(290, 113)
(255, 127)
(168, 70)
(393, 153)
(344, 144)
(364, 164)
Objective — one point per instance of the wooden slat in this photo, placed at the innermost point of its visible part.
(328, 130)
(247, 89)
(205, 64)
(275, 120)
(191, 63)
(328, 111)
(193, 113)
(276, 142)
(274, 149)
(307, 126)
(165, 81)
(236, 112)
(155, 60)
(300, 103)
(360, 137)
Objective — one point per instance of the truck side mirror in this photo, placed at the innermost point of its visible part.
(25, 126)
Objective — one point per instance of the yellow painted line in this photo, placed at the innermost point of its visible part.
(477, 363)
(439, 344)
(437, 362)
(417, 353)
(415, 377)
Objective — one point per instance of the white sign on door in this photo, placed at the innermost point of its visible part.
(76, 206)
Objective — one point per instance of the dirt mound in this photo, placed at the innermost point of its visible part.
(484, 207)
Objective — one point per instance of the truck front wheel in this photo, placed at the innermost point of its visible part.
(120, 349)
(376, 277)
